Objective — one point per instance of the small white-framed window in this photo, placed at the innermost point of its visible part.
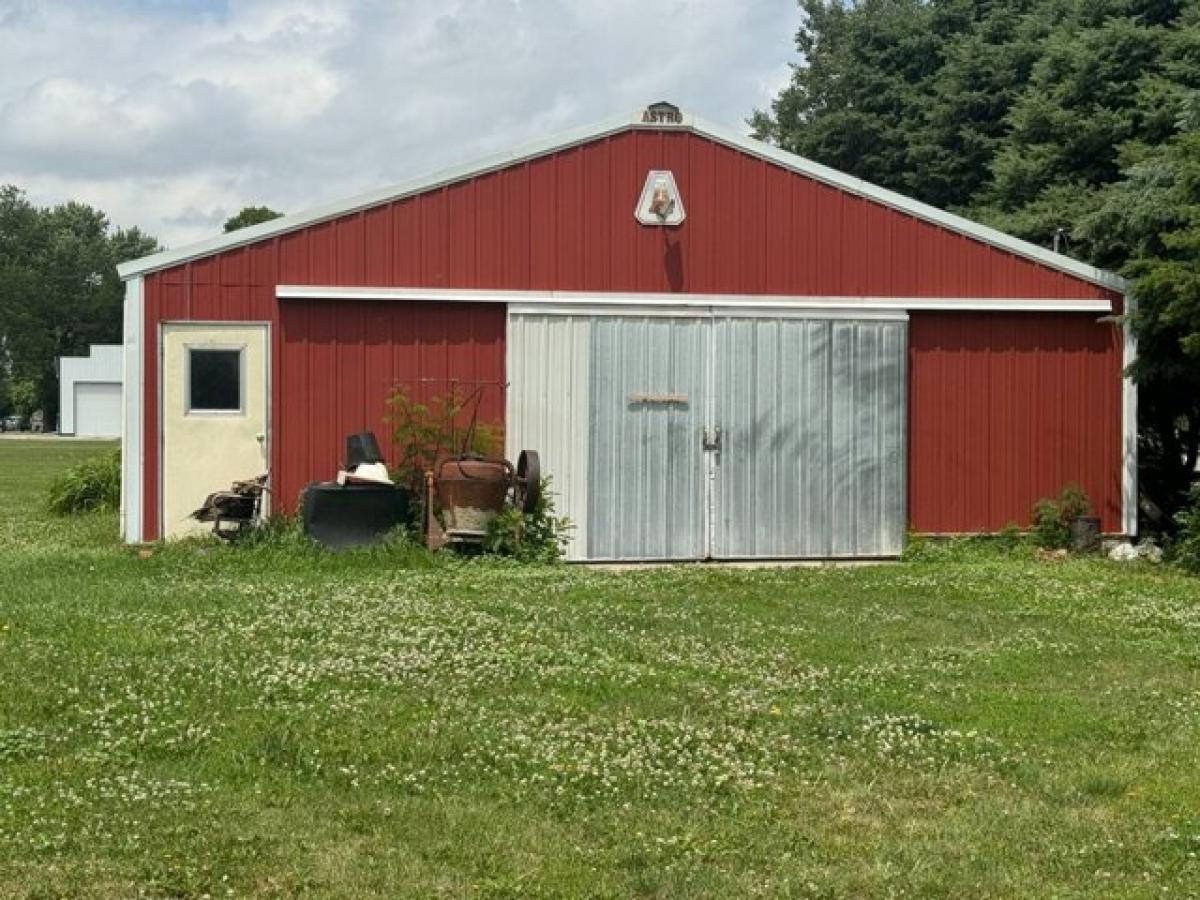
(216, 379)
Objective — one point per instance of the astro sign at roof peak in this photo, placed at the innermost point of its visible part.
(662, 113)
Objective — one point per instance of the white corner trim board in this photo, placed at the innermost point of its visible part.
(685, 122)
(690, 301)
(1129, 421)
(132, 392)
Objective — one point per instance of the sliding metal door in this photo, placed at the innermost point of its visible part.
(646, 484)
(811, 458)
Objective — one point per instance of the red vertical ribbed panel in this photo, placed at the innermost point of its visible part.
(341, 361)
(565, 222)
(1006, 408)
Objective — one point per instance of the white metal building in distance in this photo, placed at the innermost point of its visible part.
(90, 392)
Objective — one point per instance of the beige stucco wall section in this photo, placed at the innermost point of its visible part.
(204, 452)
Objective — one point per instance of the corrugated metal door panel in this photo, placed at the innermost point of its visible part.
(760, 390)
(646, 468)
(814, 378)
(841, 442)
(877, 395)
(548, 371)
(893, 421)
(812, 415)
(865, 450)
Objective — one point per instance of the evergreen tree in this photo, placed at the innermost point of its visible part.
(1040, 117)
(1149, 223)
(865, 77)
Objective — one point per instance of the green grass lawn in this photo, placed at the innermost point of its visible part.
(276, 721)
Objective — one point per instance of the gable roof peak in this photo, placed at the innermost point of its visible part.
(660, 114)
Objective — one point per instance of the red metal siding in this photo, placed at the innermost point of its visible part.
(565, 222)
(340, 362)
(1006, 408)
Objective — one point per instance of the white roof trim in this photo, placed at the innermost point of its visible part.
(549, 301)
(718, 133)
(714, 310)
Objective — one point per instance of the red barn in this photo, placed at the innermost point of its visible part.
(721, 350)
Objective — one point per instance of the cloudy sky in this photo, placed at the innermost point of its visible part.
(172, 115)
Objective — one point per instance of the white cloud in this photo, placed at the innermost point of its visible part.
(172, 118)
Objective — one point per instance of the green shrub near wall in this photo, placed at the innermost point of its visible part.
(94, 484)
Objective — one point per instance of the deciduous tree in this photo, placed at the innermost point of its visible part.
(251, 215)
(59, 290)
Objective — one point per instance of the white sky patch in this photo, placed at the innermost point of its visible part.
(172, 119)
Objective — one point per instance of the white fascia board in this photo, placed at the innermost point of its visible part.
(692, 301)
(132, 391)
(718, 133)
(912, 207)
(1129, 430)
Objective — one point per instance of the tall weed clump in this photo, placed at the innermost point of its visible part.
(90, 486)
(538, 536)
(1052, 516)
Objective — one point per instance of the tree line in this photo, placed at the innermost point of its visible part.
(59, 290)
(1073, 123)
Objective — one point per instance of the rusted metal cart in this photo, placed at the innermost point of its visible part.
(471, 491)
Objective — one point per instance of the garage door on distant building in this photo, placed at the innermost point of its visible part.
(97, 409)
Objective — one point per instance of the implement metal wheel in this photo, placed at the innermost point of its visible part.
(528, 481)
